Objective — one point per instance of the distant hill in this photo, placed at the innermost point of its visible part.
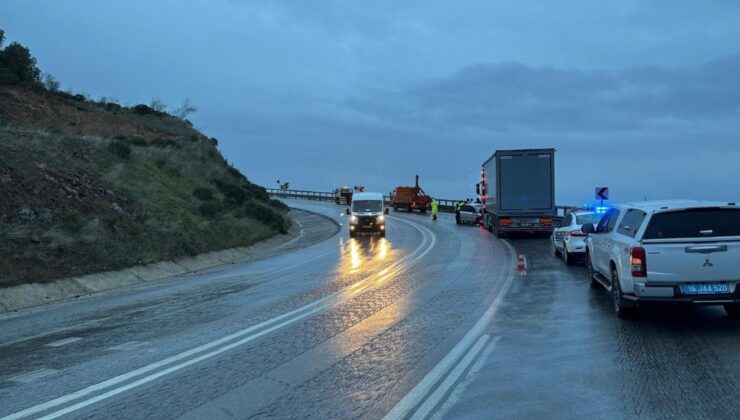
(88, 186)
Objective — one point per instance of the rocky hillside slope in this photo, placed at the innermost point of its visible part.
(89, 186)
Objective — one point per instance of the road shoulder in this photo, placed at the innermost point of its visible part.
(308, 228)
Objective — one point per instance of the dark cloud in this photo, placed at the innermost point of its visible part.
(511, 96)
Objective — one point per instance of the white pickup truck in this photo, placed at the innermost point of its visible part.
(669, 251)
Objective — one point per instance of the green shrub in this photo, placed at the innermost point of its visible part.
(210, 209)
(142, 109)
(203, 194)
(279, 205)
(236, 174)
(138, 141)
(18, 60)
(162, 143)
(112, 106)
(234, 195)
(266, 216)
(72, 222)
(120, 149)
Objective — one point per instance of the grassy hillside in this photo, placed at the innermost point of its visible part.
(88, 186)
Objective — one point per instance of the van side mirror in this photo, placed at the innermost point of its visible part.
(386, 210)
(348, 212)
(588, 228)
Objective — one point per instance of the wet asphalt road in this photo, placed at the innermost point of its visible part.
(432, 321)
(342, 328)
(561, 353)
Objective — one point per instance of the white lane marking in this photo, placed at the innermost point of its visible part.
(421, 390)
(128, 346)
(63, 342)
(265, 327)
(34, 375)
(423, 411)
(460, 388)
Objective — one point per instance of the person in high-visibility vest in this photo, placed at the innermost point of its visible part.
(435, 209)
(458, 207)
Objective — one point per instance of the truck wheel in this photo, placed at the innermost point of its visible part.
(382, 234)
(352, 234)
(409, 209)
(732, 309)
(422, 210)
(395, 207)
(623, 308)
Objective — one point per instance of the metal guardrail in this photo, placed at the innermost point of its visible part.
(445, 205)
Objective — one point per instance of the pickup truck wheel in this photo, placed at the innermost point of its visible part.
(622, 307)
(732, 309)
(590, 273)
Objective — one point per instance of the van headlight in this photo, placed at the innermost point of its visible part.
(353, 219)
(381, 219)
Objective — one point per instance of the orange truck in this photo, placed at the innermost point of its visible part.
(411, 198)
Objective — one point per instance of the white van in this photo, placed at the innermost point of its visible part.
(367, 213)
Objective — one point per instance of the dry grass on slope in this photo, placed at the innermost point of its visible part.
(86, 187)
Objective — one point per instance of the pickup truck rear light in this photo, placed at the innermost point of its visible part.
(637, 262)
(575, 233)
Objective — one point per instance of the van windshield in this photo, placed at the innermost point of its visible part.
(367, 205)
(694, 223)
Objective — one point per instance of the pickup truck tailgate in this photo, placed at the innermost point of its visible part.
(693, 245)
(692, 261)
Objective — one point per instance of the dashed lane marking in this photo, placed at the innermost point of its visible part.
(128, 346)
(63, 342)
(34, 375)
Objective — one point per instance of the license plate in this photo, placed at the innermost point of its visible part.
(705, 289)
(368, 226)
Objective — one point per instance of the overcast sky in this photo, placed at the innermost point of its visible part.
(640, 96)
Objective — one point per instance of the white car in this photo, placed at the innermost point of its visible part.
(667, 251)
(568, 240)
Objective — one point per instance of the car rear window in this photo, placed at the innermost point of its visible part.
(694, 223)
(582, 219)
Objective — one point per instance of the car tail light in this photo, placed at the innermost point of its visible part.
(575, 233)
(546, 221)
(638, 262)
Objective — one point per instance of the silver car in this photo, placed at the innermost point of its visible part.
(471, 214)
(568, 241)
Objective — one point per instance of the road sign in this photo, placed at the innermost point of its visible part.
(602, 193)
